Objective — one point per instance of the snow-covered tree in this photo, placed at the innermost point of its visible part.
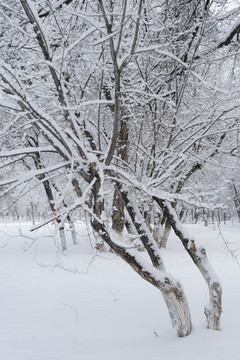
(128, 103)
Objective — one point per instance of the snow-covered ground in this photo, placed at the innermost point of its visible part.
(84, 307)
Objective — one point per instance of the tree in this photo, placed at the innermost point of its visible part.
(125, 99)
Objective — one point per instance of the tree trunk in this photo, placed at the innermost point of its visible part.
(162, 229)
(214, 309)
(205, 217)
(155, 274)
(170, 288)
(165, 235)
(73, 232)
(62, 238)
(118, 218)
(157, 228)
(148, 217)
(178, 310)
(97, 205)
(33, 213)
(236, 199)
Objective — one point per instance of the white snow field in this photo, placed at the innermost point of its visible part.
(99, 309)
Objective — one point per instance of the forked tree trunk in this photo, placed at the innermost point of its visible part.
(143, 232)
(214, 309)
(170, 288)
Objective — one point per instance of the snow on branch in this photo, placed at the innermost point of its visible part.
(32, 174)
(9, 106)
(33, 17)
(75, 43)
(25, 151)
(66, 211)
(46, 123)
(230, 35)
(12, 161)
(54, 7)
(89, 102)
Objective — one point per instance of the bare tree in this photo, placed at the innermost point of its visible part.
(125, 98)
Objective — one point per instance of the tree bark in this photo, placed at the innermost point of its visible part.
(155, 274)
(165, 234)
(118, 218)
(212, 310)
(73, 232)
(62, 238)
(169, 287)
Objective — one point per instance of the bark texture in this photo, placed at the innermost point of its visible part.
(212, 310)
(170, 288)
(118, 218)
(155, 274)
